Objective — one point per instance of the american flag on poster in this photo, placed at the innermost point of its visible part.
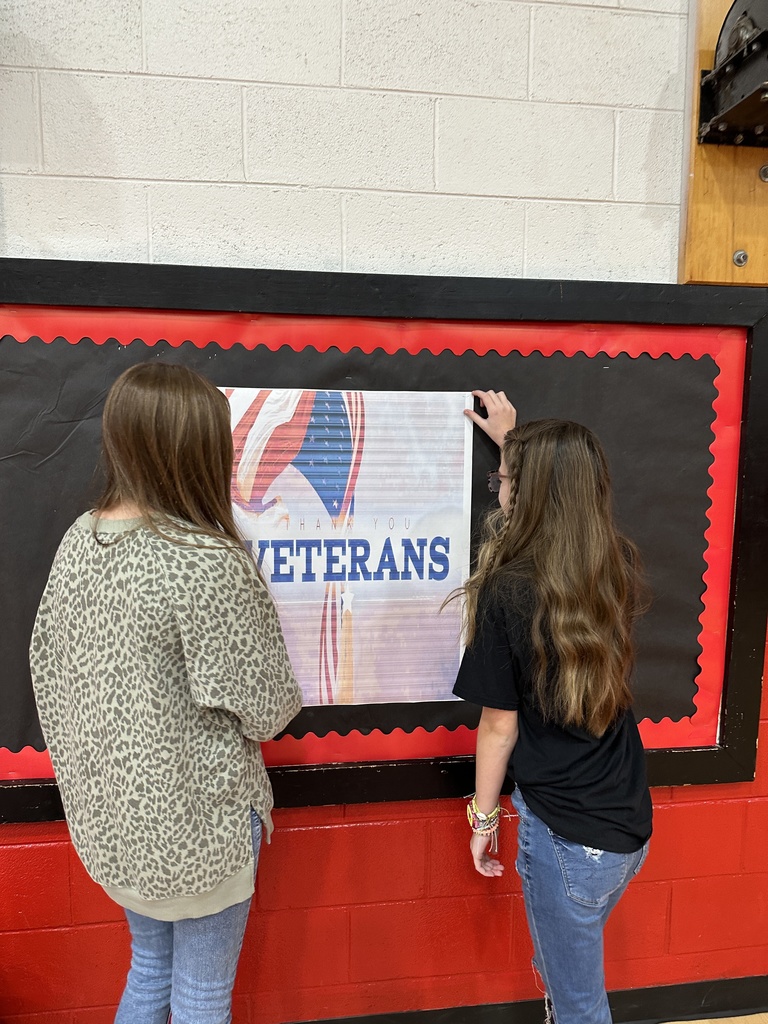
(357, 506)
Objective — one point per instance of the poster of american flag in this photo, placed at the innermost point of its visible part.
(357, 508)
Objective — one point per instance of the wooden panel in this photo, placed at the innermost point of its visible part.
(755, 1018)
(727, 201)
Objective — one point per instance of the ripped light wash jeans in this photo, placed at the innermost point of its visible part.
(186, 966)
(569, 891)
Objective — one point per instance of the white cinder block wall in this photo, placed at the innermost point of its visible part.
(481, 137)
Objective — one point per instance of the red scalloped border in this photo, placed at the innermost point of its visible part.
(727, 346)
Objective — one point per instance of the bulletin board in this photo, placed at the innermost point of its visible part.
(668, 378)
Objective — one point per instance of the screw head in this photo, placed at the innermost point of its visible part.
(740, 258)
(739, 139)
(764, 97)
(763, 172)
(759, 129)
(723, 126)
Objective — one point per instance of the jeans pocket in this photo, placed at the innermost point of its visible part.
(642, 854)
(590, 876)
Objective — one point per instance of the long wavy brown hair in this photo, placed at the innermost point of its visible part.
(557, 535)
(167, 448)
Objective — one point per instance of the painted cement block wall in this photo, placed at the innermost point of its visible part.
(480, 137)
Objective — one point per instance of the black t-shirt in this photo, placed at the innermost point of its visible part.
(588, 790)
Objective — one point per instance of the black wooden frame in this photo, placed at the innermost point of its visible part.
(142, 286)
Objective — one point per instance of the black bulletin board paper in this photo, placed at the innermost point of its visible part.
(51, 429)
(653, 412)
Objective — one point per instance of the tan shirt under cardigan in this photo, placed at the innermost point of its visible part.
(159, 666)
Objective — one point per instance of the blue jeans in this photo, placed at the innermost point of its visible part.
(569, 891)
(186, 967)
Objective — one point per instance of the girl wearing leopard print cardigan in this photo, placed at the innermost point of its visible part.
(159, 667)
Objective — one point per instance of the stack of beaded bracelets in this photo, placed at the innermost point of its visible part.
(485, 824)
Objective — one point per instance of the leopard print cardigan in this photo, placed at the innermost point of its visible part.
(159, 666)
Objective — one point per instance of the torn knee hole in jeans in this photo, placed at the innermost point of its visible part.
(549, 1019)
(537, 976)
(548, 1011)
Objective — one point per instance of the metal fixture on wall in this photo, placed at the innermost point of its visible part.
(734, 95)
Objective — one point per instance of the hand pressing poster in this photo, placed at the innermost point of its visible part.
(357, 506)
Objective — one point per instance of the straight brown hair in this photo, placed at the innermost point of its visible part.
(557, 535)
(167, 448)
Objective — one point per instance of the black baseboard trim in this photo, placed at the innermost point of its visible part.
(727, 997)
(30, 800)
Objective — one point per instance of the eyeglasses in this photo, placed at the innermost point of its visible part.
(494, 481)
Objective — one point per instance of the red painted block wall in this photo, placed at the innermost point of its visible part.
(374, 908)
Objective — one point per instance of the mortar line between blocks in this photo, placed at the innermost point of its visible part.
(363, 89)
(529, 77)
(150, 253)
(744, 837)
(348, 912)
(143, 37)
(668, 923)
(70, 895)
(617, 6)
(426, 193)
(292, 186)
(39, 104)
(342, 39)
(343, 226)
(244, 129)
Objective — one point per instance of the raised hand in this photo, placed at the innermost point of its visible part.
(500, 417)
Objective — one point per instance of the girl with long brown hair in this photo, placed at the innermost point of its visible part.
(159, 666)
(549, 611)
